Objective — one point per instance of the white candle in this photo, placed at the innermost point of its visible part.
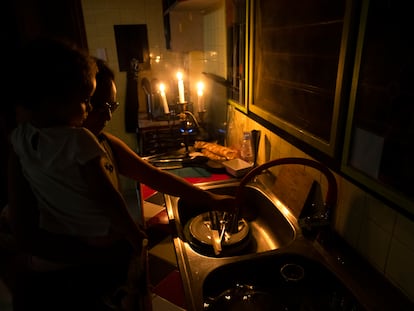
(181, 98)
(164, 98)
(200, 99)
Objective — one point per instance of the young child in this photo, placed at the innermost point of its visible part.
(64, 162)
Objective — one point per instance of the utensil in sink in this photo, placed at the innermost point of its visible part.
(210, 229)
(214, 227)
(201, 230)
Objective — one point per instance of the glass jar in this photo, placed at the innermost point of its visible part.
(246, 149)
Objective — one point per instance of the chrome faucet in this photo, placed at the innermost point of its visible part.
(319, 218)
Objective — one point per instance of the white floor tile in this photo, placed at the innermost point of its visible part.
(165, 250)
(151, 209)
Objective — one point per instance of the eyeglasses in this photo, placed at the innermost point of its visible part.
(111, 106)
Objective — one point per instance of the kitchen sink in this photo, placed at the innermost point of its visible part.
(284, 281)
(268, 228)
(282, 266)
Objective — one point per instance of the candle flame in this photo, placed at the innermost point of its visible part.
(200, 88)
(162, 87)
(179, 75)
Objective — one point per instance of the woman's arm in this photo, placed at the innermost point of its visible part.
(134, 167)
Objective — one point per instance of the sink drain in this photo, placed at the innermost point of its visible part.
(292, 272)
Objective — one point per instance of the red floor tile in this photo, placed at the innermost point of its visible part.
(171, 289)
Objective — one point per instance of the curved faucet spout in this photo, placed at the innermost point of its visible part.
(331, 195)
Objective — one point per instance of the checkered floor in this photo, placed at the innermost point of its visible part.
(164, 276)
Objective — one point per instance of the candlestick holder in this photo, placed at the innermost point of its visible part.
(201, 116)
(168, 116)
(189, 123)
(182, 106)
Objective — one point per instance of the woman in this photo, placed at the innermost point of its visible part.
(89, 273)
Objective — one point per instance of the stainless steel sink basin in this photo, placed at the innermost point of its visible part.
(279, 270)
(269, 228)
(283, 281)
(272, 229)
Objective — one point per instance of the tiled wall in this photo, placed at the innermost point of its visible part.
(215, 42)
(383, 236)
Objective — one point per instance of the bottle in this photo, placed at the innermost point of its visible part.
(246, 150)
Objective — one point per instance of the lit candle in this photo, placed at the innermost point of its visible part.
(181, 98)
(200, 102)
(164, 98)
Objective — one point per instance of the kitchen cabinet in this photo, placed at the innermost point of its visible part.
(379, 145)
(299, 54)
(335, 79)
(237, 25)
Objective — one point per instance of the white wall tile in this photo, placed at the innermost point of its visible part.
(374, 244)
(215, 42)
(404, 231)
(381, 214)
(400, 268)
(351, 211)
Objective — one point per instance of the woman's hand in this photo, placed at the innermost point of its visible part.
(222, 202)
